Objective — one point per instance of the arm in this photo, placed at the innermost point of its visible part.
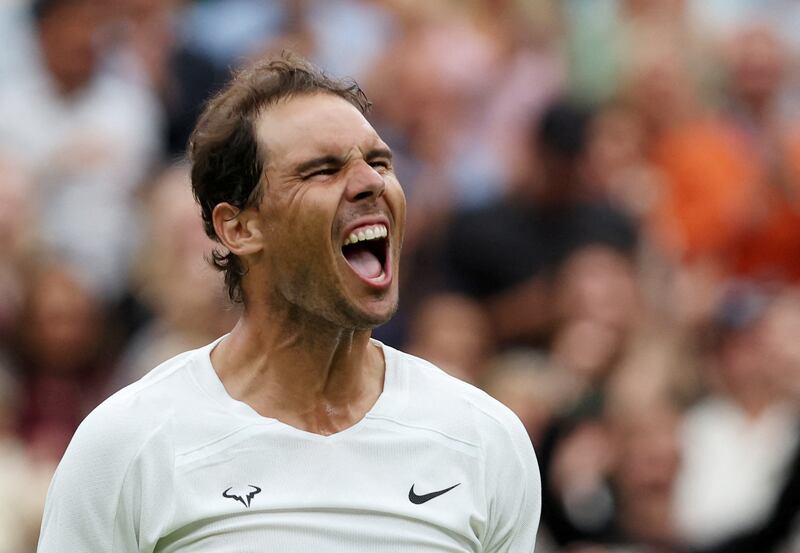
(99, 500)
(514, 491)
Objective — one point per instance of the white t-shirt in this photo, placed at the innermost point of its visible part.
(733, 468)
(88, 152)
(172, 463)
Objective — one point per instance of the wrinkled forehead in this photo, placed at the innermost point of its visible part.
(297, 128)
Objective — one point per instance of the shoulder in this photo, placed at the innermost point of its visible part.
(122, 454)
(442, 402)
(132, 417)
(459, 415)
(128, 436)
(144, 413)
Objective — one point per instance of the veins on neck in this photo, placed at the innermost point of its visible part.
(311, 376)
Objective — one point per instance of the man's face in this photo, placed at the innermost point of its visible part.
(69, 39)
(328, 182)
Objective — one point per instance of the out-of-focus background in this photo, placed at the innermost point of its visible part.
(603, 233)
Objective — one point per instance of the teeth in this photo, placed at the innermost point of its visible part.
(369, 233)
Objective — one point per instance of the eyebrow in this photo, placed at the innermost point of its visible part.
(379, 152)
(336, 161)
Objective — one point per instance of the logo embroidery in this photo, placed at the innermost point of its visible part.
(243, 498)
(420, 499)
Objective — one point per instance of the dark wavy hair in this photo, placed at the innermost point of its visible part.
(227, 162)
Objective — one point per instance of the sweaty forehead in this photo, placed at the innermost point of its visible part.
(294, 130)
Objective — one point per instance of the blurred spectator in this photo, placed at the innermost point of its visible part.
(502, 253)
(19, 229)
(182, 75)
(709, 177)
(597, 283)
(172, 266)
(350, 35)
(778, 532)
(531, 386)
(614, 476)
(768, 244)
(61, 347)
(85, 133)
(530, 51)
(576, 460)
(605, 37)
(609, 456)
(249, 24)
(23, 482)
(726, 178)
(452, 332)
(737, 441)
(703, 172)
(645, 440)
(779, 528)
(618, 163)
(718, 19)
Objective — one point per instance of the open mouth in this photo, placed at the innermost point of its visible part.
(366, 251)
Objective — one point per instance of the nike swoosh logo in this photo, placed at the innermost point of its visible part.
(420, 499)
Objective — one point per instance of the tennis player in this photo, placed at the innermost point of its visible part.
(297, 432)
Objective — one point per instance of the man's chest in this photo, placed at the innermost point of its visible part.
(289, 493)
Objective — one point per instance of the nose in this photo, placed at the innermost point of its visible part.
(364, 182)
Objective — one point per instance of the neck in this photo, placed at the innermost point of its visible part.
(300, 370)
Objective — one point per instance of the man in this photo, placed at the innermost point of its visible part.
(82, 126)
(296, 432)
(506, 254)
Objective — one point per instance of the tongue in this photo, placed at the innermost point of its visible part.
(363, 262)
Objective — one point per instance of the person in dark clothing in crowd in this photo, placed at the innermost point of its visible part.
(503, 253)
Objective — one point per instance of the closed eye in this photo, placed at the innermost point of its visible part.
(380, 164)
(326, 171)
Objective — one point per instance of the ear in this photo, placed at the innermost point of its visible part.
(239, 230)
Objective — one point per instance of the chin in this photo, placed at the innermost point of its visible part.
(360, 318)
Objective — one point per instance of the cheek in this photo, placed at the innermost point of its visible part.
(396, 199)
(302, 247)
(305, 216)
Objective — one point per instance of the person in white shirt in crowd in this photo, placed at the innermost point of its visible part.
(82, 127)
(739, 440)
(296, 431)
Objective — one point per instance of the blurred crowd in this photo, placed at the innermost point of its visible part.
(603, 233)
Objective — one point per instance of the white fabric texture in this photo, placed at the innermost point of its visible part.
(733, 468)
(159, 465)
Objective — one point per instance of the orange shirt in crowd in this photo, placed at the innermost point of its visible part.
(720, 204)
(770, 246)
